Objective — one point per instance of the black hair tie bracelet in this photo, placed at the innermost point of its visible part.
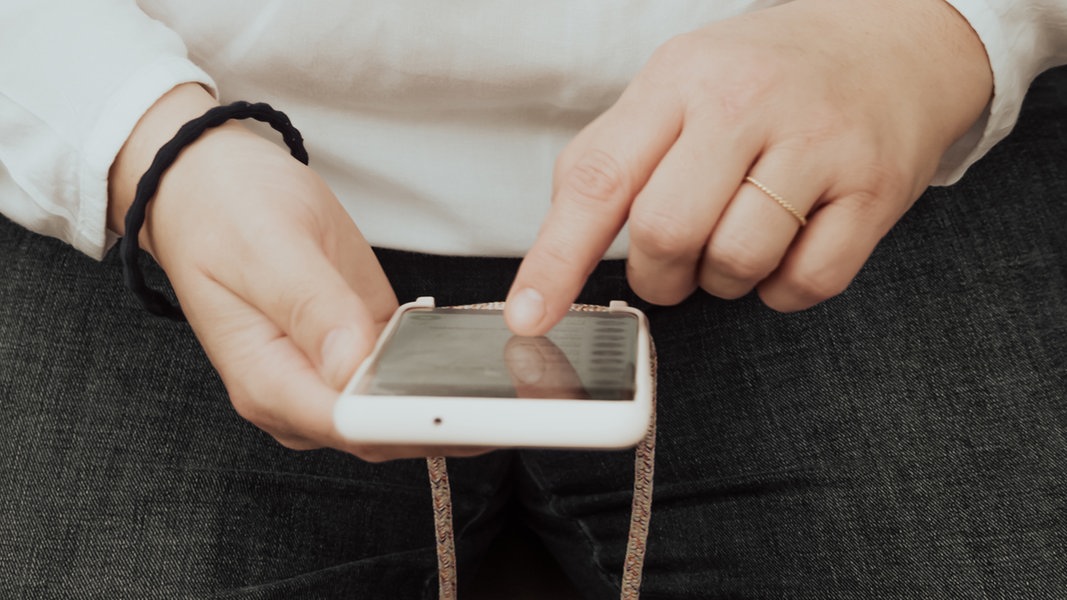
(153, 300)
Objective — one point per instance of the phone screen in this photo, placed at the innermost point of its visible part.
(472, 353)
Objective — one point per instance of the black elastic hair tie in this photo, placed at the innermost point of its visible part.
(153, 300)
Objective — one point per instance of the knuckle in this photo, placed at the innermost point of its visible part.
(738, 259)
(247, 408)
(812, 286)
(552, 258)
(249, 404)
(863, 206)
(733, 99)
(564, 161)
(823, 127)
(660, 295)
(662, 289)
(887, 180)
(595, 178)
(725, 290)
(296, 444)
(728, 91)
(302, 308)
(880, 196)
(676, 52)
(662, 235)
(774, 299)
(370, 454)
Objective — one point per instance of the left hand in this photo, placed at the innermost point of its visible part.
(843, 108)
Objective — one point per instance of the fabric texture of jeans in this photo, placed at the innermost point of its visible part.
(906, 439)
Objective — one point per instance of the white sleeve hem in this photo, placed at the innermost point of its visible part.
(1015, 62)
(124, 109)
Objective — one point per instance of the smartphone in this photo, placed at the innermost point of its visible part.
(459, 377)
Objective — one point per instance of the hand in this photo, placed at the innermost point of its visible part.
(842, 108)
(282, 290)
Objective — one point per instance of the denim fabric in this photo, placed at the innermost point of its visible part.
(903, 440)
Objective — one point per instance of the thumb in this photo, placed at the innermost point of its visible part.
(342, 348)
(306, 296)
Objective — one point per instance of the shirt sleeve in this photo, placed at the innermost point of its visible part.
(83, 74)
(1022, 38)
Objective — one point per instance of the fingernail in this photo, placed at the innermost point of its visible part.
(526, 309)
(337, 350)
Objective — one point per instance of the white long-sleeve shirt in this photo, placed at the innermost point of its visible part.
(436, 123)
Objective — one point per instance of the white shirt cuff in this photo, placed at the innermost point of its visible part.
(1018, 49)
(116, 122)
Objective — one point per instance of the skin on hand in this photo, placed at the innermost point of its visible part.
(280, 287)
(843, 108)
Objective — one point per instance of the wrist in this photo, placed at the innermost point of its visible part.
(228, 176)
(191, 176)
(926, 54)
(158, 125)
(200, 199)
(956, 75)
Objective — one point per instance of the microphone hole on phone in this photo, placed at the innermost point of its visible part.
(437, 421)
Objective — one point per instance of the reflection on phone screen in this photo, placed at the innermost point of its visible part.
(472, 353)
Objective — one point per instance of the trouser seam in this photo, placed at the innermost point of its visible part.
(586, 536)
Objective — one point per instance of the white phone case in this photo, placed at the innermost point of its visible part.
(498, 422)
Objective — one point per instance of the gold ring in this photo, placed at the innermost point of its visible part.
(780, 200)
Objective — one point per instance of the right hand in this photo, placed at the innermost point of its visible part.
(280, 287)
(830, 102)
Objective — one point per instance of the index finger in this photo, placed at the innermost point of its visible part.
(613, 159)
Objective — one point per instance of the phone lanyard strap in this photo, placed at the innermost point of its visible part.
(640, 508)
(442, 525)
